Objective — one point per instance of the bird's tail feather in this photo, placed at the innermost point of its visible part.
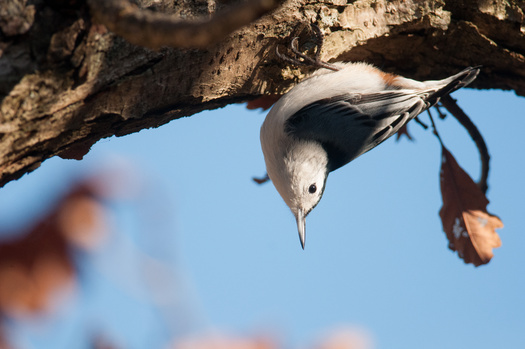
(453, 83)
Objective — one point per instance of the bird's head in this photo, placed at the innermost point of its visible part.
(300, 179)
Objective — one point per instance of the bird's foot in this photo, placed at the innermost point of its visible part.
(302, 59)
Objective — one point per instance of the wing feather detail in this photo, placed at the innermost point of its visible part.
(349, 125)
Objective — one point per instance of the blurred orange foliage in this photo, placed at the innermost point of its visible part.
(348, 337)
(36, 263)
(223, 342)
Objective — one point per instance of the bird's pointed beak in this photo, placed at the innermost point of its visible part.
(300, 217)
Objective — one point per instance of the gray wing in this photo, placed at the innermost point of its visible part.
(349, 125)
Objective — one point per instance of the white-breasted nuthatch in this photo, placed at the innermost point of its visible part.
(334, 116)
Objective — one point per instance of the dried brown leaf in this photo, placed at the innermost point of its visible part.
(264, 102)
(403, 131)
(469, 227)
(261, 180)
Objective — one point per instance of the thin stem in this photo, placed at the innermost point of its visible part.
(434, 129)
(450, 104)
(421, 123)
(442, 115)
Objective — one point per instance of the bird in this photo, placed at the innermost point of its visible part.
(337, 114)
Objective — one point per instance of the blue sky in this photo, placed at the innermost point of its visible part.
(376, 257)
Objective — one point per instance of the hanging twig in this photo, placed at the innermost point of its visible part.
(421, 123)
(450, 104)
(154, 30)
(434, 128)
(442, 115)
(261, 180)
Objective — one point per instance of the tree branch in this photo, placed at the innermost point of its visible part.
(154, 30)
(450, 104)
(66, 82)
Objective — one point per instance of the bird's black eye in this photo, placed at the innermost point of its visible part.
(312, 189)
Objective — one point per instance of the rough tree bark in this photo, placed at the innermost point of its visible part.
(66, 81)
